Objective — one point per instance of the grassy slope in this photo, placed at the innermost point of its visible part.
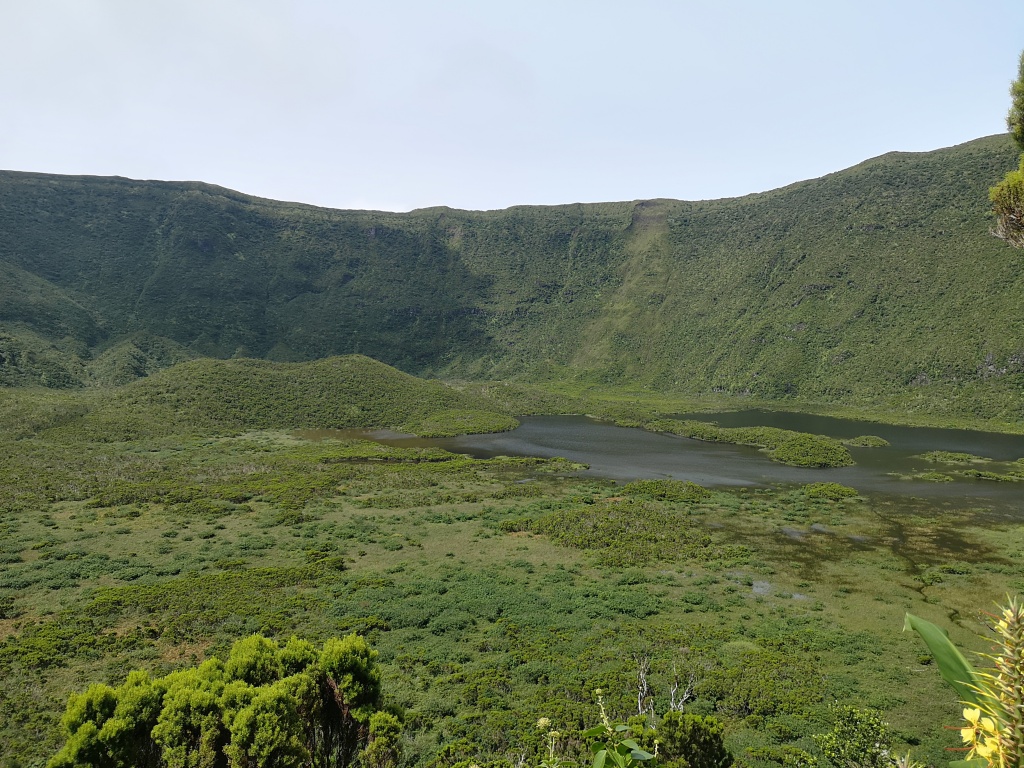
(877, 281)
(228, 396)
(879, 284)
(339, 392)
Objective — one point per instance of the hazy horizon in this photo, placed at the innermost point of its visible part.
(402, 106)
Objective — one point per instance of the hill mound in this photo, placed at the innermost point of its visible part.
(210, 396)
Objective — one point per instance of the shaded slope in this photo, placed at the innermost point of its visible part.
(873, 281)
(879, 283)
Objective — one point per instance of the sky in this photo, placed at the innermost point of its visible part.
(402, 104)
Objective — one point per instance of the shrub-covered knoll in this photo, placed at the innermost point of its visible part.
(867, 441)
(782, 445)
(812, 451)
(953, 457)
(209, 396)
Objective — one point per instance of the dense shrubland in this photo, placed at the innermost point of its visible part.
(497, 591)
(291, 706)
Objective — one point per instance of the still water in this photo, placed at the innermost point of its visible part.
(628, 454)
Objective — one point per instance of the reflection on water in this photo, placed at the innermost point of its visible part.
(628, 454)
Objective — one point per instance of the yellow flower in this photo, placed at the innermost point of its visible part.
(973, 716)
(984, 749)
(982, 734)
(544, 723)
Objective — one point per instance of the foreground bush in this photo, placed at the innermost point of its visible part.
(286, 706)
(1008, 195)
(994, 731)
(686, 740)
(1007, 198)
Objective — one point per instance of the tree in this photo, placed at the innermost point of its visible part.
(267, 705)
(692, 741)
(1015, 118)
(1007, 196)
(384, 749)
(859, 739)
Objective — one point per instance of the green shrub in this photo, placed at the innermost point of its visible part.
(689, 741)
(858, 739)
(812, 451)
(867, 441)
(1007, 198)
(830, 491)
(667, 490)
(287, 706)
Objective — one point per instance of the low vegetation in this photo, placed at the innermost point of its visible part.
(832, 491)
(953, 457)
(496, 591)
(798, 449)
(867, 441)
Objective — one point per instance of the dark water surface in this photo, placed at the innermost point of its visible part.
(628, 454)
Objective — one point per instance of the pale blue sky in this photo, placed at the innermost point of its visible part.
(397, 104)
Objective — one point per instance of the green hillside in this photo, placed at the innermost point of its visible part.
(877, 285)
(210, 396)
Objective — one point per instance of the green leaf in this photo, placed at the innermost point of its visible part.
(639, 754)
(621, 728)
(599, 758)
(593, 733)
(629, 744)
(952, 665)
(978, 762)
